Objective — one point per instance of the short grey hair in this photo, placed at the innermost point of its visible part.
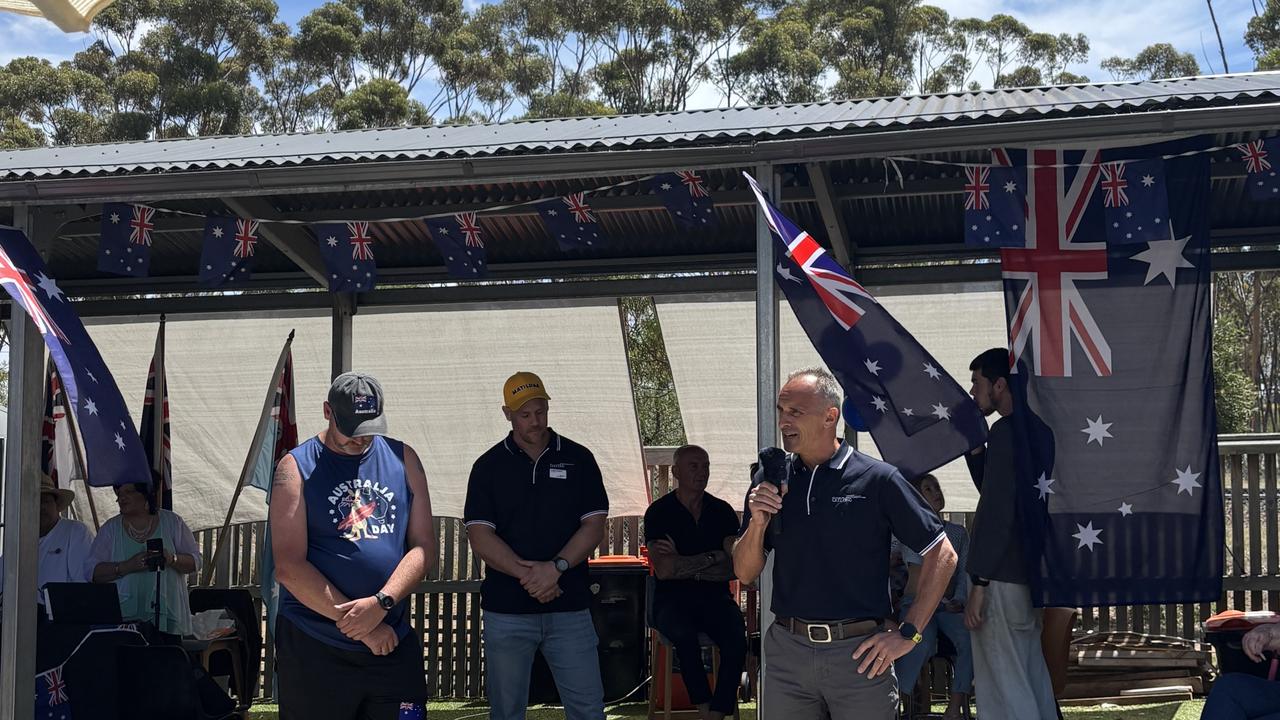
(684, 449)
(823, 381)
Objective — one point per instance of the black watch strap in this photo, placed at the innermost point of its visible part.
(561, 564)
(385, 601)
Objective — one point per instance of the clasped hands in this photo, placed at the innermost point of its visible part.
(362, 621)
(540, 579)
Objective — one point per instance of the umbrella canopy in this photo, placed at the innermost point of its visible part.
(68, 15)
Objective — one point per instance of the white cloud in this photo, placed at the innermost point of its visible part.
(26, 35)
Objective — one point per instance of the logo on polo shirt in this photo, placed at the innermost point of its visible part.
(842, 499)
(362, 509)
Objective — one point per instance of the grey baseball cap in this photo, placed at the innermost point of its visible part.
(358, 405)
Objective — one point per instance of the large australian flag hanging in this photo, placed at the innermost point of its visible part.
(918, 416)
(1110, 343)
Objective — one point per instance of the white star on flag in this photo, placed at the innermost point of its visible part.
(666, 186)
(1164, 257)
(1043, 486)
(115, 218)
(332, 241)
(1148, 181)
(217, 231)
(1097, 430)
(91, 377)
(49, 286)
(785, 272)
(908, 412)
(1010, 186)
(119, 442)
(932, 371)
(90, 406)
(873, 366)
(880, 404)
(1087, 536)
(1186, 481)
(1125, 509)
(941, 412)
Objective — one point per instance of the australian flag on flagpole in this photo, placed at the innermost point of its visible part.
(156, 438)
(227, 254)
(124, 245)
(1114, 417)
(461, 244)
(113, 452)
(347, 249)
(918, 416)
(687, 199)
(278, 435)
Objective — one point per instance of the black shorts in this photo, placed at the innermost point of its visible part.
(318, 681)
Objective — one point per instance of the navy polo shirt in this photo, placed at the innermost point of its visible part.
(668, 518)
(831, 560)
(535, 505)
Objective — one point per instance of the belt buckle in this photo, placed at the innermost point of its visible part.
(826, 632)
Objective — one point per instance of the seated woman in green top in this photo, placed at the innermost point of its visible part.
(119, 554)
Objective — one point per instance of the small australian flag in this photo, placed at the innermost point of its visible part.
(461, 244)
(124, 247)
(412, 711)
(1135, 200)
(347, 249)
(1261, 157)
(227, 255)
(571, 222)
(686, 196)
(995, 213)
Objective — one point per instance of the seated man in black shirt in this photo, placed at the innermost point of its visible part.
(690, 535)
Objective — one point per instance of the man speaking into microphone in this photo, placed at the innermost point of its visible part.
(830, 650)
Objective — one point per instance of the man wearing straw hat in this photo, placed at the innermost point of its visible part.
(64, 544)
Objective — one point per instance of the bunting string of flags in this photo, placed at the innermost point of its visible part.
(991, 192)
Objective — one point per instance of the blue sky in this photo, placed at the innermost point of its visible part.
(1184, 23)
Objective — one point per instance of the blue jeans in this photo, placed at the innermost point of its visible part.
(568, 642)
(1236, 696)
(952, 625)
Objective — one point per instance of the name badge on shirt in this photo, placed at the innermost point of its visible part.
(559, 473)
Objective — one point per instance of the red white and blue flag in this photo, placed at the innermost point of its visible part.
(918, 416)
(686, 197)
(113, 452)
(156, 436)
(124, 245)
(1262, 163)
(230, 245)
(1114, 419)
(347, 249)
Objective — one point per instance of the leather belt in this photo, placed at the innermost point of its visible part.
(827, 632)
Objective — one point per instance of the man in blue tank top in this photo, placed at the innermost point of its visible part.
(536, 509)
(352, 537)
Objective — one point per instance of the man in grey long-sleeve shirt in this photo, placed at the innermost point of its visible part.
(1009, 666)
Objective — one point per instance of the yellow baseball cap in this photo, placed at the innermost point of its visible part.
(521, 388)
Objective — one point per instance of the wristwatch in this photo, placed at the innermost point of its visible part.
(561, 564)
(909, 631)
(385, 601)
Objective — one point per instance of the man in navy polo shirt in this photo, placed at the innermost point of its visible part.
(690, 535)
(830, 651)
(535, 510)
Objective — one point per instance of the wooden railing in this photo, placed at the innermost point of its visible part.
(445, 609)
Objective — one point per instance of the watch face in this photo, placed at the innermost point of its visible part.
(562, 564)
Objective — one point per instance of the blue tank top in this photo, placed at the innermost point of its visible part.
(357, 521)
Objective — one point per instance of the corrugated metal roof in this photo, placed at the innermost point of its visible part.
(698, 127)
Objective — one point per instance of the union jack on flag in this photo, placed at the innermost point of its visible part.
(1263, 182)
(694, 183)
(577, 204)
(246, 237)
(1050, 311)
(361, 242)
(1113, 183)
(976, 188)
(52, 701)
(470, 229)
(141, 225)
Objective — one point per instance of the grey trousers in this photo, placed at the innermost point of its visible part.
(805, 680)
(1010, 676)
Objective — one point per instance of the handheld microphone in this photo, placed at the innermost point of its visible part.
(776, 471)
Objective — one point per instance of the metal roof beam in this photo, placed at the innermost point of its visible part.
(837, 233)
(296, 243)
(745, 152)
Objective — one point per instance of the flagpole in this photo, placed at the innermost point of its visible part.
(250, 461)
(159, 408)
